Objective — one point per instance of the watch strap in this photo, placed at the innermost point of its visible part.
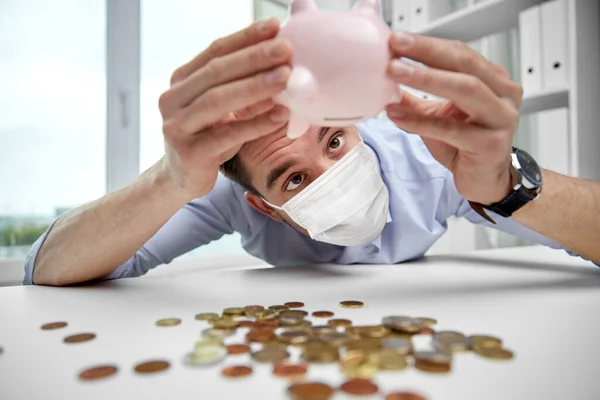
(513, 202)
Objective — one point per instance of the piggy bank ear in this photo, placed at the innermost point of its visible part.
(299, 6)
(368, 7)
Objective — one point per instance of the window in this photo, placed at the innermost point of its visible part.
(52, 114)
(173, 33)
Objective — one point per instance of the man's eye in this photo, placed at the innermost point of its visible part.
(336, 143)
(295, 182)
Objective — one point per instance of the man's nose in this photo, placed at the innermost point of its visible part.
(322, 165)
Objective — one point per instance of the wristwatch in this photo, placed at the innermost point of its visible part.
(527, 185)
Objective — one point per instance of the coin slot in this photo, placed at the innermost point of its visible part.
(333, 119)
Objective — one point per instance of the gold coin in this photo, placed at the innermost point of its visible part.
(376, 331)
(352, 304)
(320, 353)
(364, 344)
(236, 371)
(234, 311)
(450, 341)
(98, 372)
(289, 321)
(209, 341)
(294, 304)
(337, 339)
(402, 324)
(151, 367)
(206, 355)
(322, 329)
(495, 353)
(168, 322)
(207, 316)
(358, 364)
(261, 315)
(293, 314)
(426, 321)
(53, 325)
(217, 333)
(339, 322)
(80, 337)
(310, 391)
(474, 341)
(390, 360)
(279, 308)
(270, 355)
(294, 336)
(224, 323)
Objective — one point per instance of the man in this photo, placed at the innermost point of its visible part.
(366, 194)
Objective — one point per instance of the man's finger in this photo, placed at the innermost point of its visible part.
(227, 68)
(455, 56)
(219, 101)
(219, 139)
(468, 92)
(255, 33)
(255, 109)
(458, 134)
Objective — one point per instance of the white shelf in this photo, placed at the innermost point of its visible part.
(479, 20)
(537, 102)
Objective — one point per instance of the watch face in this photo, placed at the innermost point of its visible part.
(529, 168)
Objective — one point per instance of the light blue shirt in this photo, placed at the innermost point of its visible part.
(422, 198)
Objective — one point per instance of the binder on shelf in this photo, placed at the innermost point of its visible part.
(554, 44)
(531, 50)
(551, 140)
(419, 14)
(401, 15)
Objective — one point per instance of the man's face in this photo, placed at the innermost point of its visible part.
(280, 167)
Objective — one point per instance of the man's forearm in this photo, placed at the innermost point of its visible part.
(91, 241)
(567, 212)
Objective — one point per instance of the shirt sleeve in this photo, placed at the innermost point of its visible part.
(198, 223)
(508, 225)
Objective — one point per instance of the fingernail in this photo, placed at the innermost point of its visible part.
(278, 76)
(278, 49)
(402, 40)
(401, 69)
(280, 114)
(267, 24)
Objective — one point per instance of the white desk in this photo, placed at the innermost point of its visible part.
(545, 306)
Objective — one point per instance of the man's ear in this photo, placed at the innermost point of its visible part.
(259, 205)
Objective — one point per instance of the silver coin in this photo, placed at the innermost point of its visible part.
(217, 333)
(401, 323)
(449, 340)
(401, 346)
(438, 357)
(206, 356)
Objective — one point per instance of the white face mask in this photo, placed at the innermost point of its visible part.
(347, 205)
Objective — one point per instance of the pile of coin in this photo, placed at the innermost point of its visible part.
(360, 351)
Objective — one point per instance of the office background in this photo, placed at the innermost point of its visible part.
(80, 81)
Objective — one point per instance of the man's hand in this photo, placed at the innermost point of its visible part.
(220, 100)
(471, 133)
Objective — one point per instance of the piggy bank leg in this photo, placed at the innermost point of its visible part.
(297, 126)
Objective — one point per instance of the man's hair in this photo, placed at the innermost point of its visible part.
(234, 169)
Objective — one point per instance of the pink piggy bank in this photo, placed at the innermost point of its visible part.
(339, 66)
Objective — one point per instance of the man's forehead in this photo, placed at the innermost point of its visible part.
(261, 148)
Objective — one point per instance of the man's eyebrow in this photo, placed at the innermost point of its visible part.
(322, 132)
(277, 172)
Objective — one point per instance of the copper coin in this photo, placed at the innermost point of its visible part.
(233, 349)
(236, 371)
(294, 304)
(310, 391)
(80, 337)
(351, 304)
(290, 371)
(98, 372)
(359, 387)
(404, 396)
(53, 325)
(432, 367)
(261, 336)
(245, 324)
(151, 367)
(322, 314)
(266, 324)
(426, 331)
